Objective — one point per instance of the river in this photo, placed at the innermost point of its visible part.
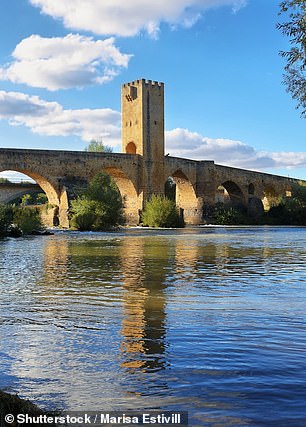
(206, 320)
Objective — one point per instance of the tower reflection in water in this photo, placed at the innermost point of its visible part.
(144, 267)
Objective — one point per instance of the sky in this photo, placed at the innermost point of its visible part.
(62, 64)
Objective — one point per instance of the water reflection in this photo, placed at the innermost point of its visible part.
(144, 268)
(208, 322)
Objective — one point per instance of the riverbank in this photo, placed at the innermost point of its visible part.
(13, 404)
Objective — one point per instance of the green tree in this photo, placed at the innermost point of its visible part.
(295, 28)
(26, 199)
(27, 219)
(291, 210)
(98, 146)
(6, 218)
(100, 206)
(161, 212)
(41, 198)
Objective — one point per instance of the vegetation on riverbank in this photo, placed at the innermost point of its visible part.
(287, 211)
(19, 220)
(98, 207)
(161, 212)
(13, 405)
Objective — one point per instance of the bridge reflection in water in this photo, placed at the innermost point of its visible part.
(144, 268)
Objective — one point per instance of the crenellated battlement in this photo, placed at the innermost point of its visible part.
(144, 82)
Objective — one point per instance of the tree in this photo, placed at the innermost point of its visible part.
(27, 219)
(161, 212)
(6, 218)
(26, 199)
(99, 207)
(295, 29)
(98, 146)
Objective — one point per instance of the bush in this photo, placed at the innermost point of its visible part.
(27, 220)
(26, 199)
(226, 214)
(83, 213)
(100, 207)
(41, 199)
(291, 210)
(161, 212)
(6, 218)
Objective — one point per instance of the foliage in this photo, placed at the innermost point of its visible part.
(13, 404)
(227, 214)
(291, 210)
(27, 219)
(4, 181)
(6, 218)
(33, 199)
(295, 29)
(98, 146)
(41, 199)
(26, 199)
(161, 212)
(100, 207)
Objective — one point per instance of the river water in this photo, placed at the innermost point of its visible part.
(206, 320)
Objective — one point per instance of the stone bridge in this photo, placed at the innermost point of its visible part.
(61, 173)
(142, 168)
(11, 191)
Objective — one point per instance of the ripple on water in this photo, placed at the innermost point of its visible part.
(207, 320)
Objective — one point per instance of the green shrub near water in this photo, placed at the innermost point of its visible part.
(291, 210)
(27, 219)
(227, 214)
(223, 214)
(161, 212)
(100, 207)
(15, 221)
(6, 218)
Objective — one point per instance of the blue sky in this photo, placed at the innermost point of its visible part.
(62, 64)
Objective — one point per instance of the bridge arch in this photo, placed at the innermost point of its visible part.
(128, 193)
(185, 197)
(230, 192)
(51, 216)
(47, 187)
(270, 197)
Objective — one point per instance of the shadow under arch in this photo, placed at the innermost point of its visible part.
(185, 197)
(251, 189)
(128, 193)
(230, 192)
(270, 197)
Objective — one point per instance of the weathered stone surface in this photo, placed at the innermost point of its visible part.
(12, 191)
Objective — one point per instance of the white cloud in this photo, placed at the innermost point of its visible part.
(192, 145)
(67, 62)
(51, 119)
(127, 18)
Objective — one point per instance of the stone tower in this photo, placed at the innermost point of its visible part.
(143, 130)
